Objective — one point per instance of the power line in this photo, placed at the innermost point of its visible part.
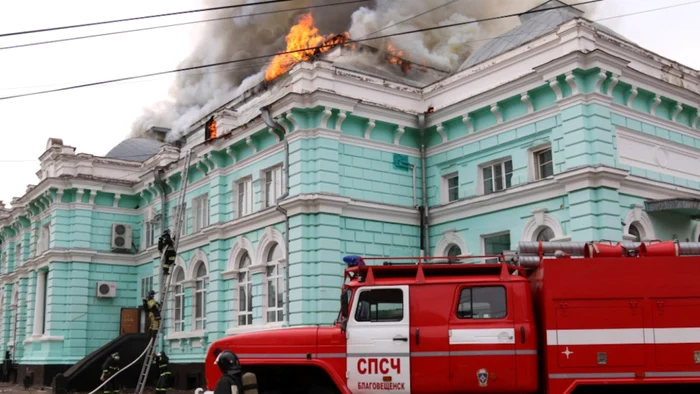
(181, 24)
(408, 19)
(91, 84)
(645, 11)
(141, 17)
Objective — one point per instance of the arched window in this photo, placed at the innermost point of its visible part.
(634, 231)
(454, 250)
(245, 292)
(179, 301)
(200, 297)
(544, 234)
(275, 285)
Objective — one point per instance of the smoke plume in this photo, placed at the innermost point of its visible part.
(195, 94)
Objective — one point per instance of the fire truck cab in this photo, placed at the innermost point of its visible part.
(568, 318)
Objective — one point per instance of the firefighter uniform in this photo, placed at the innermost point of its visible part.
(109, 368)
(165, 242)
(231, 382)
(165, 378)
(153, 309)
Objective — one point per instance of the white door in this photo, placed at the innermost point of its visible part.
(378, 350)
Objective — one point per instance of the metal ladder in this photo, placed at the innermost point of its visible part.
(163, 291)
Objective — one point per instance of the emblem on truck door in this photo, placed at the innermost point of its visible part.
(483, 376)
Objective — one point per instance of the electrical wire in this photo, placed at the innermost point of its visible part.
(408, 19)
(125, 368)
(287, 52)
(141, 18)
(183, 24)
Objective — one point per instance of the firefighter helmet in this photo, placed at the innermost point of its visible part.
(151, 293)
(228, 362)
(115, 356)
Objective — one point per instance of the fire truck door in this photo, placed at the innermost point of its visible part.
(481, 334)
(378, 349)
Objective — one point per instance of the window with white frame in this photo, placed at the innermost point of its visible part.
(3, 264)
(146, 285)
(495, 245)
(35, 247)
(183, 225)
(18, 255)
(179, 301)
(635, 232)
(544, 234)
(200, 212)
(200, 297)
(450, 184)
(244, 196)
(152, 233)
(45, 238)
(544, 165)
(497, 176)
(245, 291)
(454, 250)
(275, 285)
(273, 184)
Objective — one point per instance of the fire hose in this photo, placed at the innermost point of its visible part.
(125, 368)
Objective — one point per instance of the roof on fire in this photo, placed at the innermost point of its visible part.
(531, 26)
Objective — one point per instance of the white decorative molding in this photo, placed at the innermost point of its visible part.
(554, 84)
(541, 219)
(657, 102)
(117, 197)
(273, 133)
(270, 237)
(496, 111)
(252, 146)
(467, 120)
(290, 118)
(571, 81)
(255, 327)
(341, 118)
(179, 265)
(399, 133)
(633, 94)
(525, 98)
(326, 116)
(180, 335)
(43, 338)
(677, 111)
(613, 82)
(697, 118)
(442, 133)
(278, 119)
(448, 239)
(241, 245)
(197, 256)
(602, 76)
(370, 127)
(642, 221)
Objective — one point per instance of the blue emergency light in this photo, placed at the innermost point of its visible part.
(353, 261)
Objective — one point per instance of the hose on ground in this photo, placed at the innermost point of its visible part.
(125, 368)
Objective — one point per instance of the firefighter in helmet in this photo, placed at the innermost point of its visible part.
(153, 308)
(109, 368)
(165, 242)
(231, 382)
(165, 378)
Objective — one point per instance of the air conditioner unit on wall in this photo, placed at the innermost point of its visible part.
(106, 289)
(121, 236)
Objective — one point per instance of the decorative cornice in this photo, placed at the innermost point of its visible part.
(554, 84)
(602, 76)
(525, 98)
(342, 115)
(467, 120)
(677, 111)
(370, 127)
(497, 113)
(571, 81)
(655, 105)
(441, 130)
(633, 95)
(399, 133)
(326, 116)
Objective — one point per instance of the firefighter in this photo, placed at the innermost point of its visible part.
(165, 378)
(109, 368)
(165, 242)
(231, 382)
(153, 308)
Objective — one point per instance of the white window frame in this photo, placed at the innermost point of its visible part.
(271, 178)
(35, 249)
(244, 206)
(45, 238)
(200, 212)
(537, 165)
(183, 229)
(247, 287)
(277, 265)
(18, 255)
(152, 233)
(178, 323)
(3, 263)
(492, 235)
(445, 187)
(146, 285)
(199, 318)
(494, 163)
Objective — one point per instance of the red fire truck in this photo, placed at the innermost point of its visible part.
(550, 318)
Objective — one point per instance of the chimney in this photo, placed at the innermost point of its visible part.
(157, 133)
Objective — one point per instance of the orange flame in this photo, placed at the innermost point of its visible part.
(302, 38)
(395, 57)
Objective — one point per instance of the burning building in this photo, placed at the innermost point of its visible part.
(560, 129)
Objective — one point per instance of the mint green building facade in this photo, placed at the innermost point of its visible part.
(572, 137)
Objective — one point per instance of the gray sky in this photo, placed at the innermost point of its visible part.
(95, 119)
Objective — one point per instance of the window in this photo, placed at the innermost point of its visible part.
(244, 189)
(275, 285)
(245, 292)
(14, 322)
(495, 245)
(482, 303)
(146, 285)
(200, 212)
(45, 238)
(200, 298)
(3, 265)
(380, 305)
(273, 185)
(183, 228)
(35, 246)
(544, 163)
(179, 301)
(152, 233)
(544, 235)
(454, 250)
(18, 255)
(452, 188)
(497, 176)
(634, 231)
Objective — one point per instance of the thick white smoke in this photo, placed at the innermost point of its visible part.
(196, 94)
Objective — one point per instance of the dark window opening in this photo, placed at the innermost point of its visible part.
(482, 303)
(380, 305)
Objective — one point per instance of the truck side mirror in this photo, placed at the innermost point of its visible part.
(344, 304)
(344, 325)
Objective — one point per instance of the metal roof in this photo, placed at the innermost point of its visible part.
(135, 149)
(531, 26)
